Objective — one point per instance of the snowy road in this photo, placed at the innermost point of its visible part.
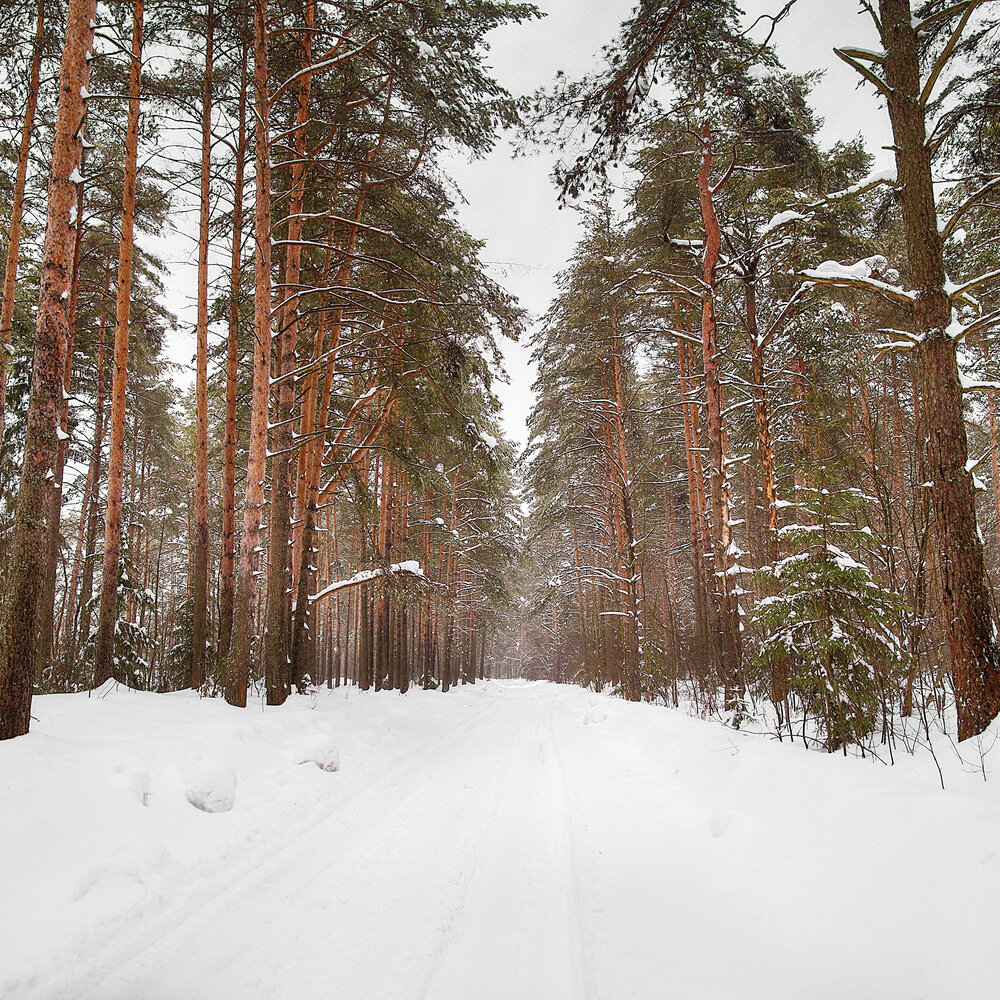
(535, 842)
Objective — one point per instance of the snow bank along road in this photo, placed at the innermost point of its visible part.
(525, 841)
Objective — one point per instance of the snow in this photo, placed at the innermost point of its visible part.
(863, 272)
(409, 567)
(862, 269)
(872, 180)
(512, 839)
(779, 220)
(210, 785)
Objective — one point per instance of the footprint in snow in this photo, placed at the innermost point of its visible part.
(210, 785)
(322, 752)
(720, 822)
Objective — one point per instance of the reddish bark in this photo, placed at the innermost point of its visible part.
(727, 634)
(199, 630)
(238, 662)
(104, 654)
(968, 621)
(24, 570)
(227, 565)
(17, 206)
(278, 634)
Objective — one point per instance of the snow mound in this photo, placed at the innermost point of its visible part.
(322, 752)
(108, 874)
(210, 785)
(135, 781)
(368, 738)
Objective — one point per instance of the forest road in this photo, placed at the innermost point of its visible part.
(546, 843)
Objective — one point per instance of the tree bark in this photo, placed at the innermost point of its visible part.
(199, 630)
(964, 588)
(104, 655)
(46, 629)
(90, 492)
(24, 571)
(238, 662)
(727, 638)
(17, 207)
(278, 636)
(227, 565)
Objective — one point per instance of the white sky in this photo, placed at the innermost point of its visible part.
(511, 203)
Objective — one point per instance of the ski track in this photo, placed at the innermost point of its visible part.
(202, 939)
(537, 842)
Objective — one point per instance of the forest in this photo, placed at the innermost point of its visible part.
(761, 472)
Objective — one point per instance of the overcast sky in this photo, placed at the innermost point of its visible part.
(511, 203)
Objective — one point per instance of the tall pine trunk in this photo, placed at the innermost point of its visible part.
(104, 654)
(227, 563)
(17, 206)
(46, 629)
(199, 630)
(238, 662)
(727, 634)
(25, 568)
(278, 640)
(963, 583)
(90, 496)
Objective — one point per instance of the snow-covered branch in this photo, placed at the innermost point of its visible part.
(408, 568)
(857, 276)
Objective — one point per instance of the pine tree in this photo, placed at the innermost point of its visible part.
(26, 565)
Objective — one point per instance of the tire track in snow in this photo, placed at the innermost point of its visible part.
(571, 854)
(520, 937)
(123, 943)
(450, 926)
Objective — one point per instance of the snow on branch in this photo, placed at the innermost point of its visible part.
(970, 202)
(946, 53)
(962, 291)
(860, 276)
(868, 183)
(856, 58)
(779, 221)
(922, 24)
(408, 568)
(975, 385)
(959, 330)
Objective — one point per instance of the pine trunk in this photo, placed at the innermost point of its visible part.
(199, 630)
(240, 645)
(227, 566)
(963, 583)
(17, 206)
(278, 636)
(727, 638)
(104, 655)
(25, 566)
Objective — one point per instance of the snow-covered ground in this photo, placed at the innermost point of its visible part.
(515, 840)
